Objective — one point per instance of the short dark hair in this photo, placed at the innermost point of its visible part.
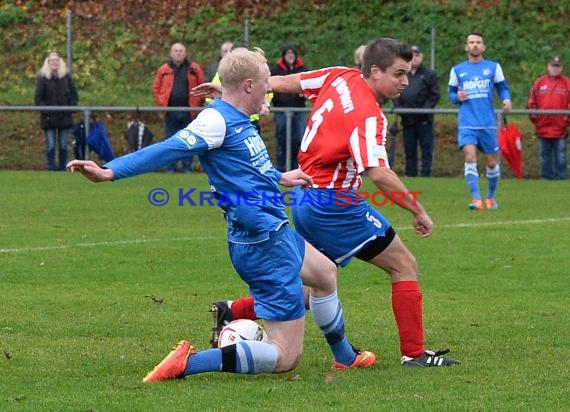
(475, 33)
(382, 53)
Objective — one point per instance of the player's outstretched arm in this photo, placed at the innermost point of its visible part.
(296, 178)
(390, 184)
(290, 83)
(209, 90)
(90, 170)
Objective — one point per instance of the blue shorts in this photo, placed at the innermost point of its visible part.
(486, 140)
(337, 227)
(272, 270)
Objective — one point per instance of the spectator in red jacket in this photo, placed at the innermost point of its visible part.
(172, 84)
(551, 91)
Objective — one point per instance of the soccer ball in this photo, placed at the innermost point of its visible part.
(241, 329)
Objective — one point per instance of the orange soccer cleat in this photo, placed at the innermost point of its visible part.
(173, 365)
(491, 204)
(476, 204)
(363, 359)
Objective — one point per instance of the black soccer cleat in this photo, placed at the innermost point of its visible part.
(429, 359)
(221, 315)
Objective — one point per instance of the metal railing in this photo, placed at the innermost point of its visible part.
(289, 111)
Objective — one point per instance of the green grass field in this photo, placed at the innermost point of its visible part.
(96, 286)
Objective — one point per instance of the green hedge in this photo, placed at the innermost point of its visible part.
(116, 52)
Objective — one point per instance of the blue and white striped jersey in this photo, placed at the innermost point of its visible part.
(479, 80)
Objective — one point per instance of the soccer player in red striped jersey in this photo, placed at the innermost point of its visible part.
(344, 139)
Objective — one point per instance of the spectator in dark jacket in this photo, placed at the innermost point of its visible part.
(212, 69)
(171, 88)
(422, 92)
(54, 87)
(289, 62)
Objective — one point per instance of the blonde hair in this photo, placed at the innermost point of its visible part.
(238, 65)
(46, 72)
(358, 53)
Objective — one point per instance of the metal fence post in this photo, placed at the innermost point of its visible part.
(86, 122)
(499, 114)
(288, 144)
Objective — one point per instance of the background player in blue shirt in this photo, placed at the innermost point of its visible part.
(471, 85)
(265, 252)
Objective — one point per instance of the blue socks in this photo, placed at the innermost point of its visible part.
(472, 178)
(493, 176)
(205, 361)
(327, 313)
(246, 357)
(255, 357)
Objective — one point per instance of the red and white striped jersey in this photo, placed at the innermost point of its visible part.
(346, 130)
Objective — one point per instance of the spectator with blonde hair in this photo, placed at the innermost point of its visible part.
(55, 87)
(358, 53)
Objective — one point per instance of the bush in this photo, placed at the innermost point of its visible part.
(117, 46)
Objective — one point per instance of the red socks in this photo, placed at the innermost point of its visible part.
(242, 308)
(407, 307)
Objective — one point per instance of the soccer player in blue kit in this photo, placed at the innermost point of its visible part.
(471, 85)
(272, 259)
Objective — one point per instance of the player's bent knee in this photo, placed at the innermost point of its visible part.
(320, 275)
(288, 361)
(287, 338)
(329, 276)
(403, 267)
(408, 269)
(412, 264)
